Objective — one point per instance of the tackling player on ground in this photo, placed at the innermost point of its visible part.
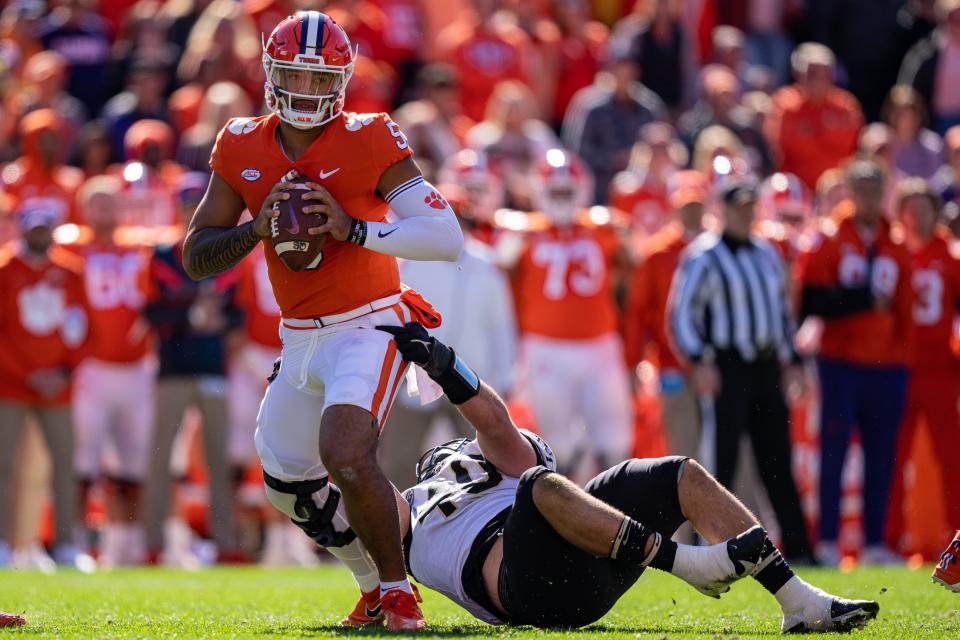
(338, 377)
(492, 525)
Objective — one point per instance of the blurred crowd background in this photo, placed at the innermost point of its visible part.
(128, 394)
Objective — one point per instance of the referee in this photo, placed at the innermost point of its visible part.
(729, 317)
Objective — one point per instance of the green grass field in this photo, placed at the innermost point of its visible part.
(263, 603)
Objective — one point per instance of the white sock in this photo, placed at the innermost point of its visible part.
(360, 564)
(697, 565)
(794, 594)
(399, 584)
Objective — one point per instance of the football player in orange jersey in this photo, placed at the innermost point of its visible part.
(113, 400)
(932, 394)
(43, 328)
(482, 190)
(562, 265)
(149, 176)
(338, 378)
(784, 210)
(645, 318)
(856, 277)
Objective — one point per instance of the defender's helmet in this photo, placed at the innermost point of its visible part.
(431, 460)
(308, 62)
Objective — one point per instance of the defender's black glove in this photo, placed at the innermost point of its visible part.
(442, 364)
(419, 347)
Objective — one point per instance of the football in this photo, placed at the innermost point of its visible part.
(296, 248)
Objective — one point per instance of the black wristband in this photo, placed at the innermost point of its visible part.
(358, 232)
(458, 381)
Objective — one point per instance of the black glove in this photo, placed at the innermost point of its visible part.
(441, 363)
(419, 347)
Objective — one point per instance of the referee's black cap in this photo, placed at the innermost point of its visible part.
(739, 192)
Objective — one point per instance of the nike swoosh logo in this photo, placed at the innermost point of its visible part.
(381, 234)
(326, 174)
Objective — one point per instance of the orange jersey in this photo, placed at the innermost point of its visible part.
(837, 257)
(811, 137)
(563, 284)
(645, 316)
(646, 203)
(484, 58)
(936, 287)
(348, 159)
(43, 321)
(116, 282)
(27, 181)
(255, 298)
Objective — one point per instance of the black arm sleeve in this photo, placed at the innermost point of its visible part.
(835, 302)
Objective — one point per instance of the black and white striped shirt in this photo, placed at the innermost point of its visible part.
(730, 296)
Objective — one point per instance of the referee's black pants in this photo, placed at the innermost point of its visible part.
(751, 399)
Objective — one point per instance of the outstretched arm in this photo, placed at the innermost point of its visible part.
(500, 440)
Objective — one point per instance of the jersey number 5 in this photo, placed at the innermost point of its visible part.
(396, 133)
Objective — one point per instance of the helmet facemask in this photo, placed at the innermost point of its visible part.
(305, 95)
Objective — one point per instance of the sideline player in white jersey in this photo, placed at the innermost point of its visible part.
(491, 525)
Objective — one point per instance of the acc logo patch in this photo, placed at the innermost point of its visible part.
(250, 175)
(241, 126)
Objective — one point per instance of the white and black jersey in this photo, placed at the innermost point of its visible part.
(460, 504)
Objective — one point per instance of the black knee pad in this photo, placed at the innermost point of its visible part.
(317, 521)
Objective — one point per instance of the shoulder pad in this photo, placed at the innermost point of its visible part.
(241, 126)
(357, 121)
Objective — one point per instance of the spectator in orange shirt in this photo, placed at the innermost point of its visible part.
(813, 124)
(574, 48)
(486, 49)
(40, 173)
(43, 328)
(645, 320)
(856, 277)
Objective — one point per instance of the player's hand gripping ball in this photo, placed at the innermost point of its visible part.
(290, 226)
